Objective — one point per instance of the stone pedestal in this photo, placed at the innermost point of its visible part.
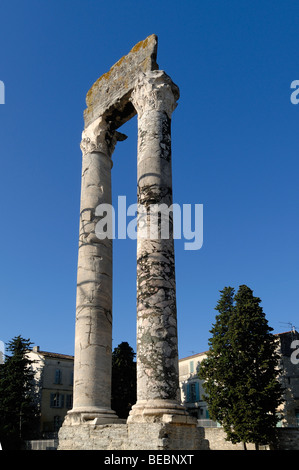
(135, 436)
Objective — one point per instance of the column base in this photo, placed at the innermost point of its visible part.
(164, 411)
(91, 415)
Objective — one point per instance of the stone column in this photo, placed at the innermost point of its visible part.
(93, 335)
(154, 99)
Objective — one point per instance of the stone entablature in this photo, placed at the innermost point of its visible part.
(109, 96)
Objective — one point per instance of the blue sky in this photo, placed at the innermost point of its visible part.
(235, 142)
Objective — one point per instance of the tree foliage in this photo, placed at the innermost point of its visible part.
(241, 371)
(123, 380)
(19, 412)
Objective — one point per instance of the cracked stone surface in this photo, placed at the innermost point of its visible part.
(93, 337)
(154, 98)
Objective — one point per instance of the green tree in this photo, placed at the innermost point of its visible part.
(217, 370)
(19, 414)
(241, 370)
(123, 380)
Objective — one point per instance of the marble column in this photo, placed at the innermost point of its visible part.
(154, 99)
(93, 330)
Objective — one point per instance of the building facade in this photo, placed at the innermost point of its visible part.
(191, 386)
(54, 377)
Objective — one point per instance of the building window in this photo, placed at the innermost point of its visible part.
(69, 402)
(58, 376)
(297, 418)
(192, 392)
(191, 367)
(56, 400)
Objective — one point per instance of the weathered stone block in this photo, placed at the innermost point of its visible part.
(135, 436)
(109, 95)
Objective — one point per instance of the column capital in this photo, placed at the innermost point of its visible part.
(155, 90)
(98, 137)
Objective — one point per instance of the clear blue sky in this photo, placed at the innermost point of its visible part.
(235, 150)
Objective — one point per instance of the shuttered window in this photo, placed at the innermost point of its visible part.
(193, 392)
(58, 376)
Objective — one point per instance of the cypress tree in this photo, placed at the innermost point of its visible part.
(123, 380)
(217, 369)
(243, 391)
(19, 414)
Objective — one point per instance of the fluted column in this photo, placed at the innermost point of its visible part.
(154, 99)
(93, 331)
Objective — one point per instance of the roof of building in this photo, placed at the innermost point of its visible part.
(286, 333)
(193, 356)
(36, 349)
